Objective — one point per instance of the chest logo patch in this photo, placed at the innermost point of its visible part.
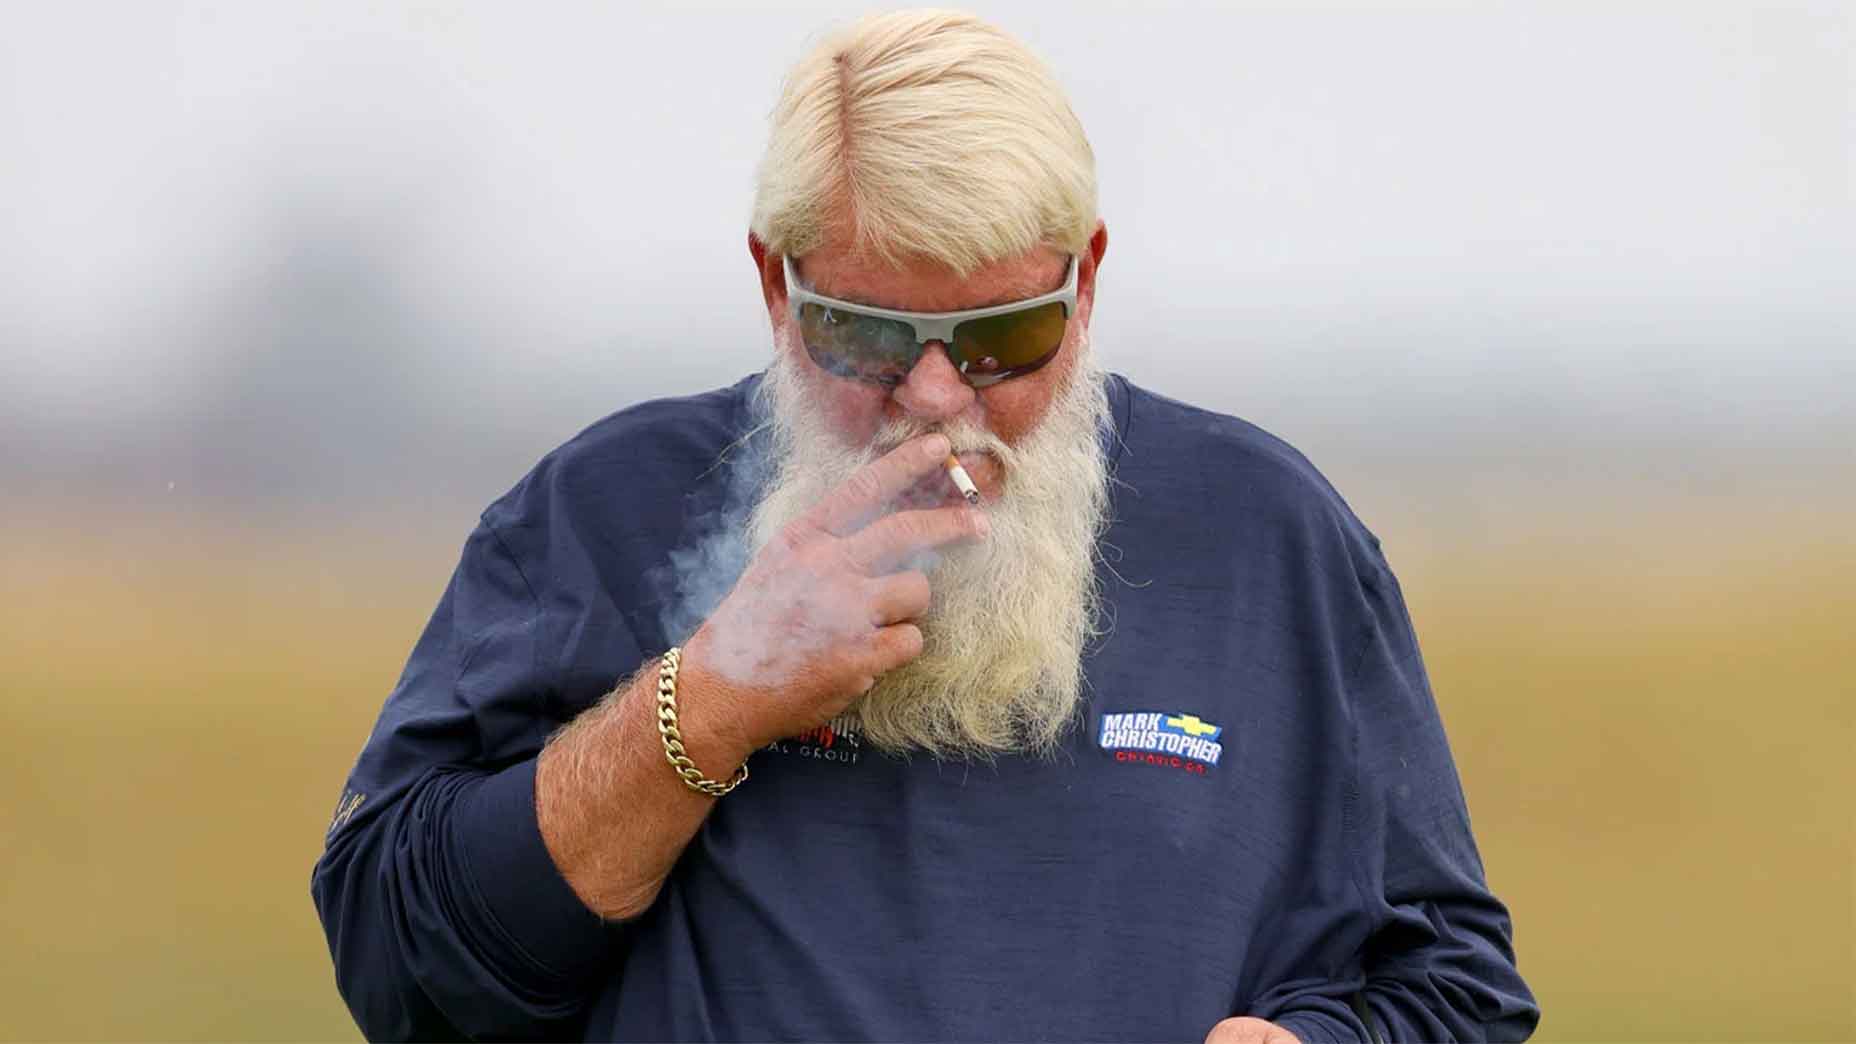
(839, 741)
(1181, 741)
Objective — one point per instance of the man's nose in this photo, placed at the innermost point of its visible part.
(934, 390)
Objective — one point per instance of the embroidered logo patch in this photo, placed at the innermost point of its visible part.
(1181, 741)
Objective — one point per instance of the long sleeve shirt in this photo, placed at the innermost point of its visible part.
(1256, 813)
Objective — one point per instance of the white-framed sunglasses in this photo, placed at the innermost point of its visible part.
(881, 345)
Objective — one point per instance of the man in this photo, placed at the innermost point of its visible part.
(1137, 746)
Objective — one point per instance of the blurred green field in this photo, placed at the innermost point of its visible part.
(1656, 734)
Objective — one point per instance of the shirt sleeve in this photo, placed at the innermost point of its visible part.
(445, 915)
(1439, 963)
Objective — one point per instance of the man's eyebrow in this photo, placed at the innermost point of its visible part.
(1029, 289)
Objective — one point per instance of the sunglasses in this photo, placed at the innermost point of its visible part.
(880, 345)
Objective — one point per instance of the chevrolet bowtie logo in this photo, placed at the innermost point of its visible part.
(1191, 725)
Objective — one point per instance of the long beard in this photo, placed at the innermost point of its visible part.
(1004, 636)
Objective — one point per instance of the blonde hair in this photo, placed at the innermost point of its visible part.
(925, 134)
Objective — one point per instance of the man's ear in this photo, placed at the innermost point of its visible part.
(1086, 266)
(772, 279)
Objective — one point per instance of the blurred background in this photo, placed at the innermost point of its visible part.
(1559, 296)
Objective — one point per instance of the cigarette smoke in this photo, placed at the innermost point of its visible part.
(716, 552)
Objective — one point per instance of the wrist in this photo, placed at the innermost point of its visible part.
(714, 736)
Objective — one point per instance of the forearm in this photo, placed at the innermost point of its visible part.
(613, 813)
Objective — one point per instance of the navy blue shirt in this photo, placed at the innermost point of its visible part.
(1256, 815)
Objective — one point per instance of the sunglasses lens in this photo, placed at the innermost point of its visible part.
(1016, 342)
(865, 347)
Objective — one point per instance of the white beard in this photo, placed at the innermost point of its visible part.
(1003, 639)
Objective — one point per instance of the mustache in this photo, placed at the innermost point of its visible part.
(965, 436)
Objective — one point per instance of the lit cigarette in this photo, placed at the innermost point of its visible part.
(962, 479)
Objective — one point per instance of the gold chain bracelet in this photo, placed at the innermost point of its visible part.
(673, 740)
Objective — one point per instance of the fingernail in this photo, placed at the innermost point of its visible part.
(938, 446)
(982, 524)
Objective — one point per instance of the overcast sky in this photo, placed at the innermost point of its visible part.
(305, 240)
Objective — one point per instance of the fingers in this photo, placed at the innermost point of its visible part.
(899, 597)
(895, 641)
(891, 540)
(871, 488)
(893, 646)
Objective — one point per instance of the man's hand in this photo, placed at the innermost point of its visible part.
(827, 606)
(1246, 1030)
(823, 610)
